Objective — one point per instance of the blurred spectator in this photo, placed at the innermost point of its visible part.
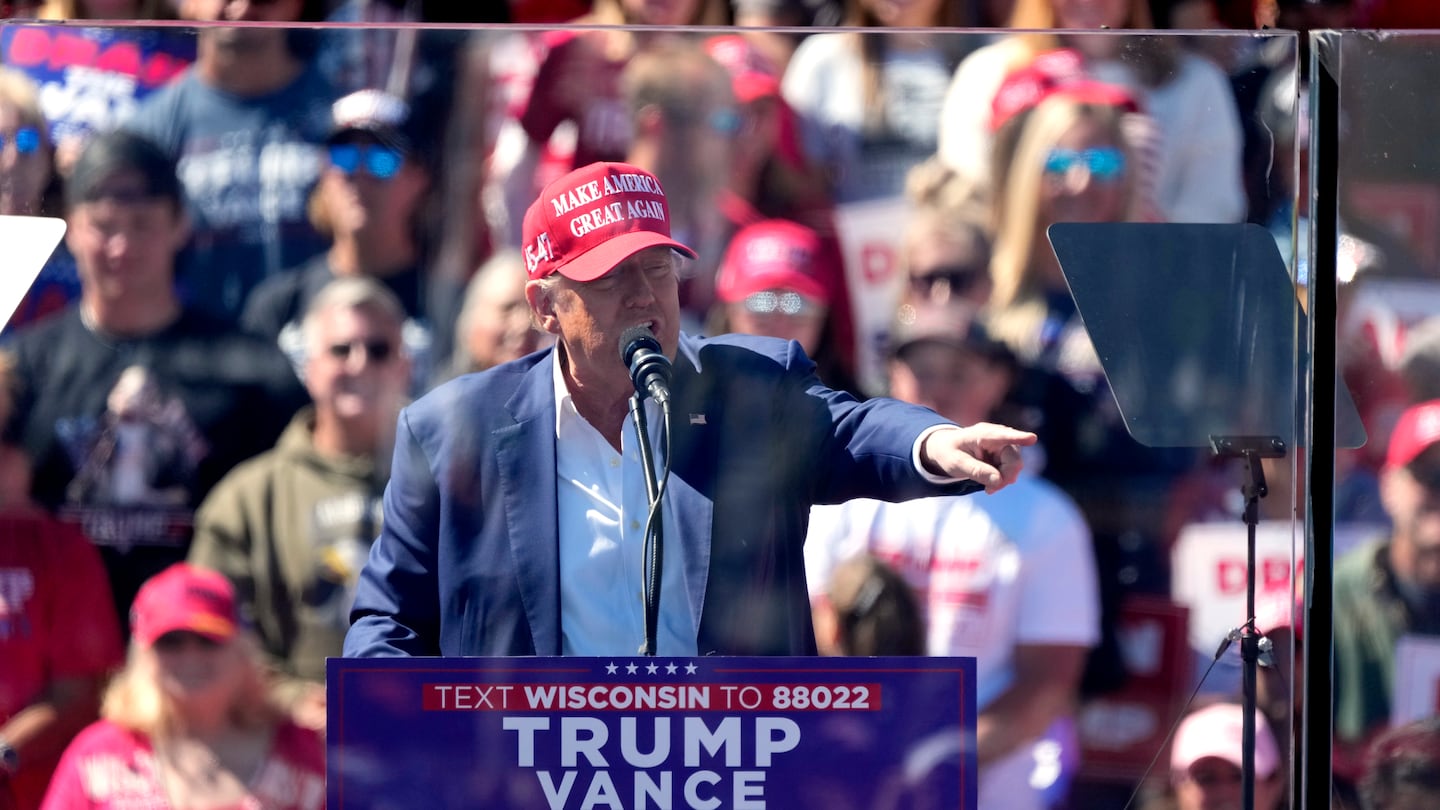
(1198, 171)
(29, 187)
(132, 404)
(59, 637)
(1388, 588)
(869, 101)
(245, 124)
(945, 251)
(392, 52)
(684, 124)
(866, 608)
(371, 200)
(189, 722)
(291, 527)
(1071, 164)
(494, 326)
(768, 177)
(1402, 768)
(575, 114)
(776, 281)
(1008, 579)
(1205, 761)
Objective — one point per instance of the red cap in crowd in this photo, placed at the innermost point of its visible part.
(1051, 73)
(594, 218)
(752, 75)
(183, 597)
(773, 254)
(1416, 431)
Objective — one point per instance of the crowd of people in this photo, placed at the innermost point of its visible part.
(278, 238)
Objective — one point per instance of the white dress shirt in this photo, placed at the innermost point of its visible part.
(603, 505)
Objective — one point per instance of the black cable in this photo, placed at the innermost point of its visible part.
(1230, 638)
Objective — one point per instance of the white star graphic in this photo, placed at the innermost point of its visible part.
(651, 669)
(690, 669)
(671, 668)
(630, 668)
(611, 668)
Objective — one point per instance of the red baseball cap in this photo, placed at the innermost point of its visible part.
(772, 254)
(1417, 430)
(752, 75)
(183, 597)
(594, 218)
(1059, 72)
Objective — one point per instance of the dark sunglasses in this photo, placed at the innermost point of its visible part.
(783, 303)
(381, 162)
(378, 351)
(1427, 476)
(1104, 164)
(26, 140)
(957, 279)
(177, 640)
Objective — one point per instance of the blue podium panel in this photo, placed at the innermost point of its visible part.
(636, 733)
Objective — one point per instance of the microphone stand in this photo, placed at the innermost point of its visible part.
(654, 553)
(1252, 449)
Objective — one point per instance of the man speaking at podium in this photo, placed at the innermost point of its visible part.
(514, 520)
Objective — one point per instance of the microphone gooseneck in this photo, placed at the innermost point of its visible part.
(649, 368)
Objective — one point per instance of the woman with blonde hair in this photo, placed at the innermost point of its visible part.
(190, 722)
(1198, 158)
(1071, 164)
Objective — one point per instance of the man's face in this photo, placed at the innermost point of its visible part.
(589, 317)
(357, 197)
(1411, 496)
(354, 369)
(499, 329)
(125, 241)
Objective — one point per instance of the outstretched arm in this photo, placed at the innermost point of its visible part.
(985, 453)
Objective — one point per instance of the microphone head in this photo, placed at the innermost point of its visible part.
(634, 339)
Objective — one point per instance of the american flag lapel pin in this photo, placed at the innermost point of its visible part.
(697, 418)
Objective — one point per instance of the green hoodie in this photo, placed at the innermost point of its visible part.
(292, 528)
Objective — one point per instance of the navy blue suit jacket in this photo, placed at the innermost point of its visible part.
(468, 559)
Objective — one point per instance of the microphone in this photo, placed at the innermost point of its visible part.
(649, 369)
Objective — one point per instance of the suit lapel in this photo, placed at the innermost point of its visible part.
(691, 442)
(526, 455)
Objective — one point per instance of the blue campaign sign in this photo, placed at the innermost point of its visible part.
(634, 733)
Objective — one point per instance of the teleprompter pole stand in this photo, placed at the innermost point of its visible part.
(1252, 644)
(654, 556)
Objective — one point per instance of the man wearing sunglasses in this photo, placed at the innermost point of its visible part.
(369, 200)
(514, 517)
(313, 502)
